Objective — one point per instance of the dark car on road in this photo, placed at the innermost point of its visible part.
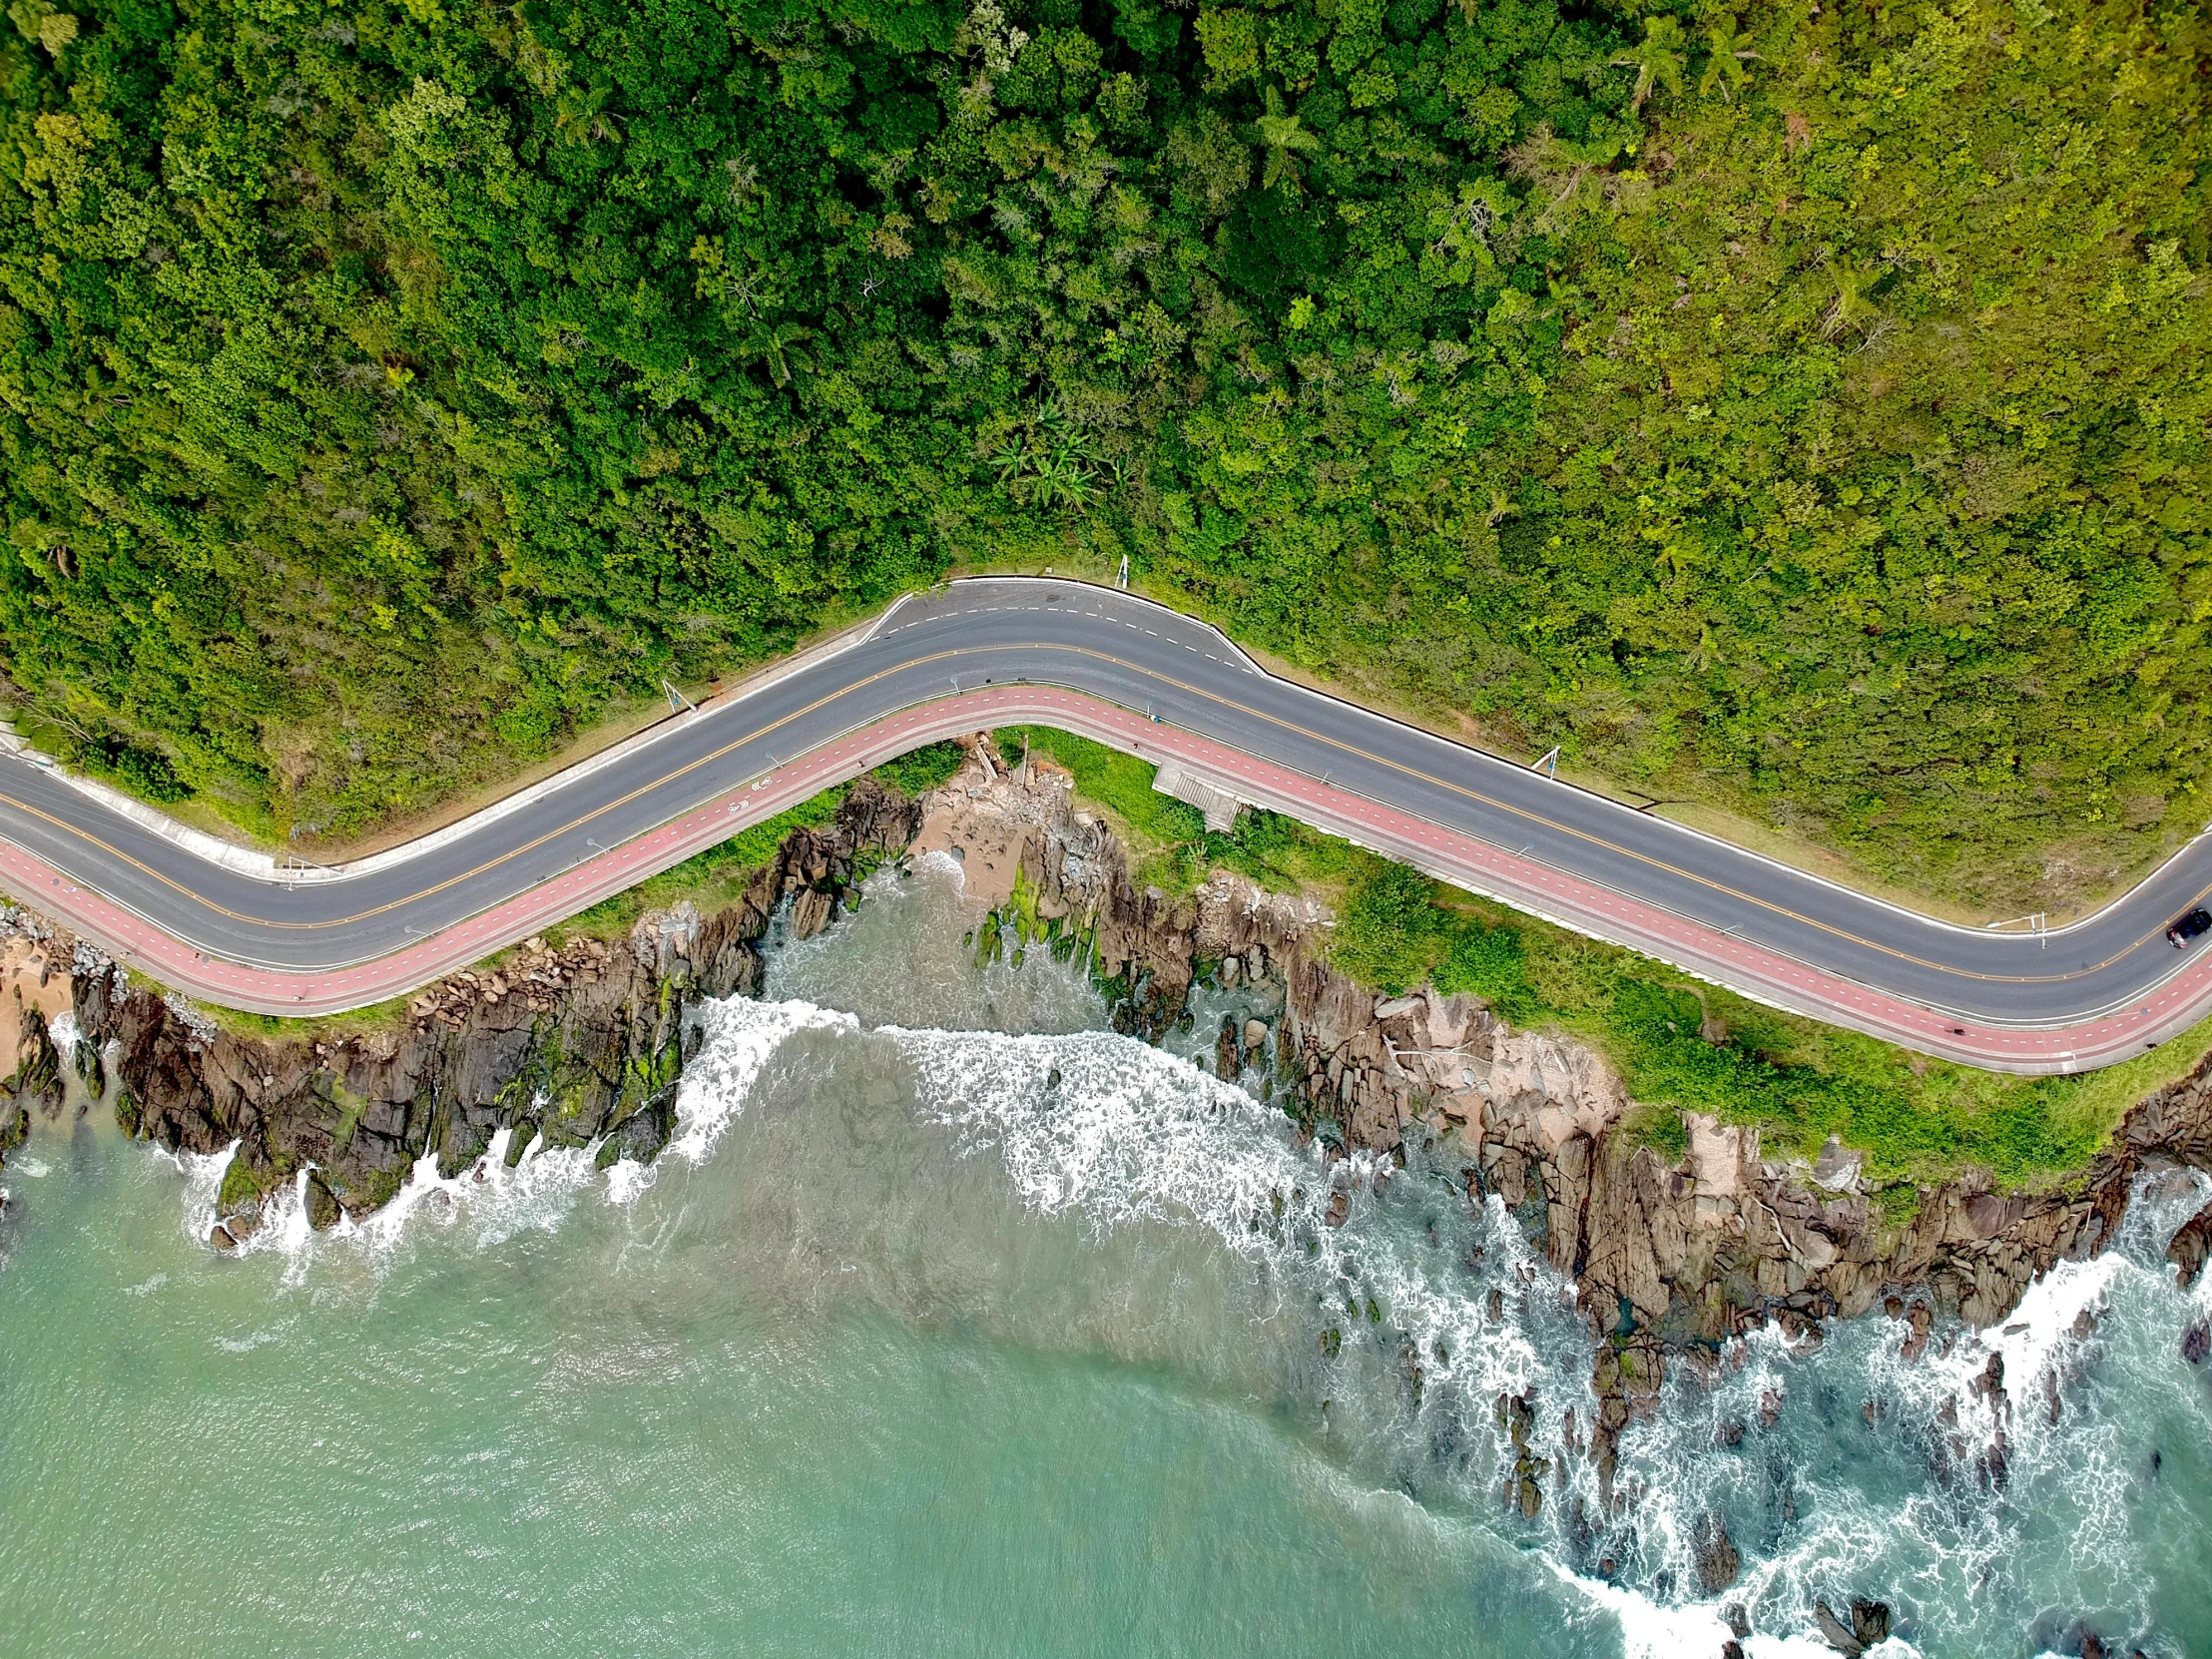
(2188, 928)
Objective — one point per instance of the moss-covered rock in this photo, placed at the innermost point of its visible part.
(323, 1202)
(581, 1041)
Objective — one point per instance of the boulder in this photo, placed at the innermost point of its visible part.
(2191, 1245)
(1835, 1168)
(1839, 1635)
(323, 1202)
(1919, 1321)
(810, 912)
(37, 1080)
(1869, 1621)
(1718, 1564)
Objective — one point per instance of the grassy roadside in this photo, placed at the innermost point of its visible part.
(1169, 845)
(718, 875)
(1681, 1045)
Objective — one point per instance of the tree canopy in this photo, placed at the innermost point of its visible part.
(1800, 405)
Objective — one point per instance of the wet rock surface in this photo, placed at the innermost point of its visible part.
(1838, 1634)
(35, 1082)
(1718, 1564)
(2190, 1246)
(581, 1045)
(1673, 1257)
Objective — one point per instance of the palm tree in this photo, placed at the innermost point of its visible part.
(778, 348)
(1657, 60)
(1062, 479)
(1284, 134)
(1853, 305)
(581, 116)
(1049, 466)
(1725, 70)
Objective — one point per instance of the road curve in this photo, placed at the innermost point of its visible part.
(1146, 680)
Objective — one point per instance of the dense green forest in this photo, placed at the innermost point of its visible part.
(1803, 406)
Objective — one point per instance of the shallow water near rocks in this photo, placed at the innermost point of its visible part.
(953, 1323)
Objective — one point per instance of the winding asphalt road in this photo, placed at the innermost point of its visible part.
(1146, 680)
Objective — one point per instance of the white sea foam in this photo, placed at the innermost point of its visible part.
(1127, 1134)
(202, 1173)
(487, 1201)
(1657, 1630)
(741, 1036)
(1123, 1134)
(491, 1201)
(1952, 1500)
(1130, 1133)
(36, 1169)
(628, 1181)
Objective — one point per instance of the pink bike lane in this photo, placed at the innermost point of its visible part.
(1445, 854)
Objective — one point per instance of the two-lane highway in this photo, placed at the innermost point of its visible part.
(1149, 680)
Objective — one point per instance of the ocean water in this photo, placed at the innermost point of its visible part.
(953, 1323)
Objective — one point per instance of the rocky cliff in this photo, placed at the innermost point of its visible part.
(1672, 1257)
(580, 1043)
(35, 1081)
(34, 980)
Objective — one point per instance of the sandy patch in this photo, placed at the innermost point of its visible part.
(23, 964)
(986, 816)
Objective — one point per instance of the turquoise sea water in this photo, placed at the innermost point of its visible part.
(954, 1325)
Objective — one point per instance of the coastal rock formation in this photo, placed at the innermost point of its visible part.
(1869, 1626)
(1718, 1564)
(581, 1045)
(1672, 1256)
(1675, 1255)
(2191, 1245)
(34, 982)
(36, 1080)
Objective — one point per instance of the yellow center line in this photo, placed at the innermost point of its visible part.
(489, 863)
(1646, 859)
(1527, 814)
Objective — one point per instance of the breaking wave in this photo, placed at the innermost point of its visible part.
(1992, 1518)
(494, 1198)
(1839, 1468)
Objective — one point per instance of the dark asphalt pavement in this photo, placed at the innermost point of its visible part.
(1152, 662)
